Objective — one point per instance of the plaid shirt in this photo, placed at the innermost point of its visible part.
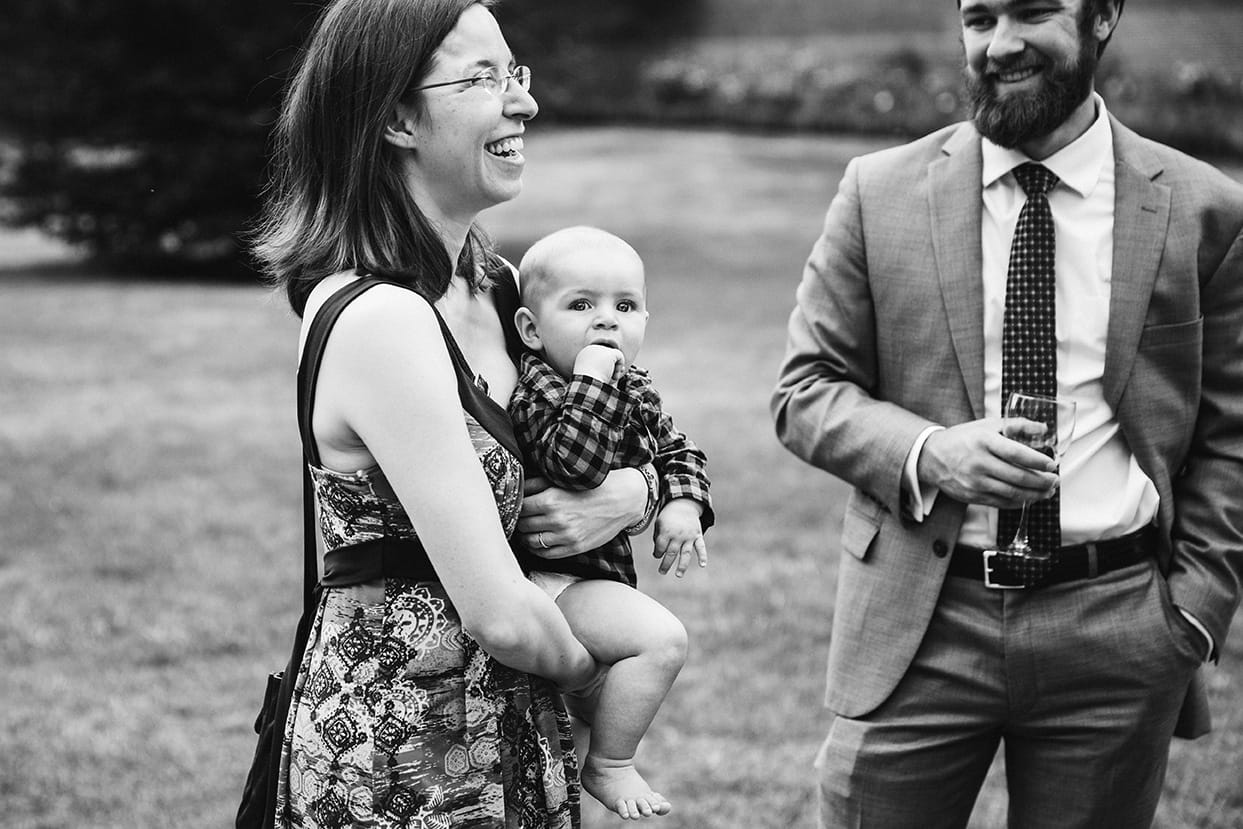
(574, 431)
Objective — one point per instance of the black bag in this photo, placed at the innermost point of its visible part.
(259, 783)
(258, 806)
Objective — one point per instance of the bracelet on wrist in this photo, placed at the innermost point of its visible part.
(653, 497)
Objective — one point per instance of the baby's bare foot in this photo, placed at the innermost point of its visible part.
(621, 788)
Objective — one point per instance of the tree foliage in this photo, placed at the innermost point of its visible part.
(585, 54)
(141, 126)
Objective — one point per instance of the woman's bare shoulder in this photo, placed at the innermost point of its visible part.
(383, 317)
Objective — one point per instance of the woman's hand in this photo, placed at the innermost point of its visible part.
(558, 523)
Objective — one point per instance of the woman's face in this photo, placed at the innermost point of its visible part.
(467, 153)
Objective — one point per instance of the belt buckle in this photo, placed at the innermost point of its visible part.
(989, 555)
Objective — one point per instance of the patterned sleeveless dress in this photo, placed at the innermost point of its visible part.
(398, 717)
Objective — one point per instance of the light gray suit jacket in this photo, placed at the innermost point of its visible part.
(887, 339)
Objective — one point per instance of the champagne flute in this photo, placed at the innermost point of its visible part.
(1058, 416)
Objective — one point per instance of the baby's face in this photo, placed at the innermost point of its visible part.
(604, 307)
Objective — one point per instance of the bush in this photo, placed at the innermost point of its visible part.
(141, 126)
(900, 93)
(907, 92)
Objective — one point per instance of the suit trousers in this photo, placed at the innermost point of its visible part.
(1081, 682)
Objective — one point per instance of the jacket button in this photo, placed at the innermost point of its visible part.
(940, 549)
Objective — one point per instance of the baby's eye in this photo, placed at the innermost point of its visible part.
(580, 305)
(625, 306)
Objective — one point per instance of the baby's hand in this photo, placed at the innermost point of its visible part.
(602, 362)
(678, 535)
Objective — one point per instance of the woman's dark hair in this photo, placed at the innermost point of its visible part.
(337, 199)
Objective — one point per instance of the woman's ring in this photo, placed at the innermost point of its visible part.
(539, 539)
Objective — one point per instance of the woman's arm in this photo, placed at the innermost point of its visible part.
(557, 523)
(387, 374)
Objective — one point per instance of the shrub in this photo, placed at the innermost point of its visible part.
(141, 126)
(908, 92)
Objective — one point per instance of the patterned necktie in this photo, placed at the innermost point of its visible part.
(1028, 343)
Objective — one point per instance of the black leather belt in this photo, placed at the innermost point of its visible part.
(1077, 561)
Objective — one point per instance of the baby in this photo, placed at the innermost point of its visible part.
(580, 409)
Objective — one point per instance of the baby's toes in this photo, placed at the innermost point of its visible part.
(640, 808)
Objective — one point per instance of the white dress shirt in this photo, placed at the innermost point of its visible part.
(1104, 493)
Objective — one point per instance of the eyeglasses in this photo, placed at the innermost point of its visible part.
(492, 80)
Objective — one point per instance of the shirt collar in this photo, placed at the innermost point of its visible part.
(1078, 165)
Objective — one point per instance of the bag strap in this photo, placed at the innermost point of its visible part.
(308, 372)
(485, 410)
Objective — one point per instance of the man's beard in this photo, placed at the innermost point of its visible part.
(1020, 117)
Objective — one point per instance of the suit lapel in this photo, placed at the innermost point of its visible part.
(955, 203)
(1141, 218)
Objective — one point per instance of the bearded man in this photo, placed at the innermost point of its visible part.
(1042, 247)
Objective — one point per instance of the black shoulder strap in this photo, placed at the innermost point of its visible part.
(485, 410)
(313, 357)
(505, 295)
(308, 371)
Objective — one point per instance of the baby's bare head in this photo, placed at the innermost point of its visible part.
(573, 254)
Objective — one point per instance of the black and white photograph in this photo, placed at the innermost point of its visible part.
(531, 414)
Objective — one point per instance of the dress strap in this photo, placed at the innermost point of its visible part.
(490, 414)
(475, 400)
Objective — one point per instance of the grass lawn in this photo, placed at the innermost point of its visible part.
(150, 509)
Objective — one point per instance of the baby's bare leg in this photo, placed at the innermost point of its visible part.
(646, 646)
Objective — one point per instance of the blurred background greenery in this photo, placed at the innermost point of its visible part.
(149, 499)
(137, 128)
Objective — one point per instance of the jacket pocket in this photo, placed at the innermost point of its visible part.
(864, 515)
(1166, 379)
(1179, 333)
